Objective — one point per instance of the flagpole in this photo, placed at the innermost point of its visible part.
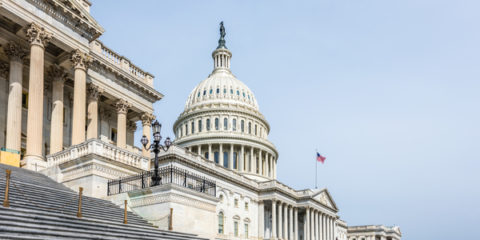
(316, 172)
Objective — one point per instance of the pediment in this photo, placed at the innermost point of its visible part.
(325, 198)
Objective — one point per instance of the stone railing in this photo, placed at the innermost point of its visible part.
(120, 62)
(98, 147)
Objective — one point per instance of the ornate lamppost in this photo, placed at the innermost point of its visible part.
(156, 146)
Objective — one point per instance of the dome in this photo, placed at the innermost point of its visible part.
(222, 123)
(221, 86)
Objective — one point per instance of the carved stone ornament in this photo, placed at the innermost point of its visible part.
(94, 91)
(147, 119)
(15, 52)
(4, 68)
(80, 59)
(57, 73)
(122, 106)
(132, 126)
(38, 35)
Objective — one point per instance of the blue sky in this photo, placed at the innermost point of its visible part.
(388, 91)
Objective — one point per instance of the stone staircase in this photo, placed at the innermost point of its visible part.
(41, 208)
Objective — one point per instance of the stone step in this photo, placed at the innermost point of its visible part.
(13, 217)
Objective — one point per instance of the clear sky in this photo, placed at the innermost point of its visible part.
(388, 91)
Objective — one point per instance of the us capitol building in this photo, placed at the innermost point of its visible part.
(70, 107)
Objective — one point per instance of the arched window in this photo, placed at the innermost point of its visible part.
(249, 128)
(255, 129)
(200, 125)
(181, 131)
(218, 90)
(198, 94)
(225, 124)
(211, 91)
(220, 223)
(186, 129)
(234, 124)
(238, 93)
(216, 124)
(242, 126)
(204, 92)
(193, 127)
(216, 157)
(225, 159)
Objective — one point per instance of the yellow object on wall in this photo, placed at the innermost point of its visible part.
(10, 157)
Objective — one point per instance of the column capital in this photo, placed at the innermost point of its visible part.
(4, 68)
(94, 91)
(37, 35)
(15, 52)
(80, 59)
(147, 119)
(122, 106)
(57, 73)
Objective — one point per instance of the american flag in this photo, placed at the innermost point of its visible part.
(320, 158)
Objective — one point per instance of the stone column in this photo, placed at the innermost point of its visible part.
(210, 157)
(94, 93)
(260, 165)
(230, 159)
(328, 228)
(261, 220)
(220, 157)
(324, 226)
(16, 54)
(312, 225)
(307, 224)
(199, 150)
(147, 119)
(241, 159)
(38, 39)
(295, 218)
(290, 224)
(285, 221)
(80, 62)
(274, 219)
(252, 161)
(58, 76)
(280, 220)
(274, 161)
(122, 109)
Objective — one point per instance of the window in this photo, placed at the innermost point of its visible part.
(198, 94)
(220, 223)
(25, 99)
(199, 125)
(242, 126)
(235, 228)
(218, 90)
(216, 124)
(246, 230)
(113, 134)
(211, 91)
(193, 127)
(186, 129)
(243, 94)
(231, 91)
(238, 93)
(225, 124)
(235, 203)
(181, 131)
(225, 159)
(206, 155)
(208, 124)
(246, 206)
(234, 160)
(224, 90)
(204, 92)
(216, 157)
(249, 128)
(255, 129)
(234, 124)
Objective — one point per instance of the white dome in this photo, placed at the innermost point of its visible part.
(221, 86)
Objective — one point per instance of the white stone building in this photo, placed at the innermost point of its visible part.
(70, 107)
